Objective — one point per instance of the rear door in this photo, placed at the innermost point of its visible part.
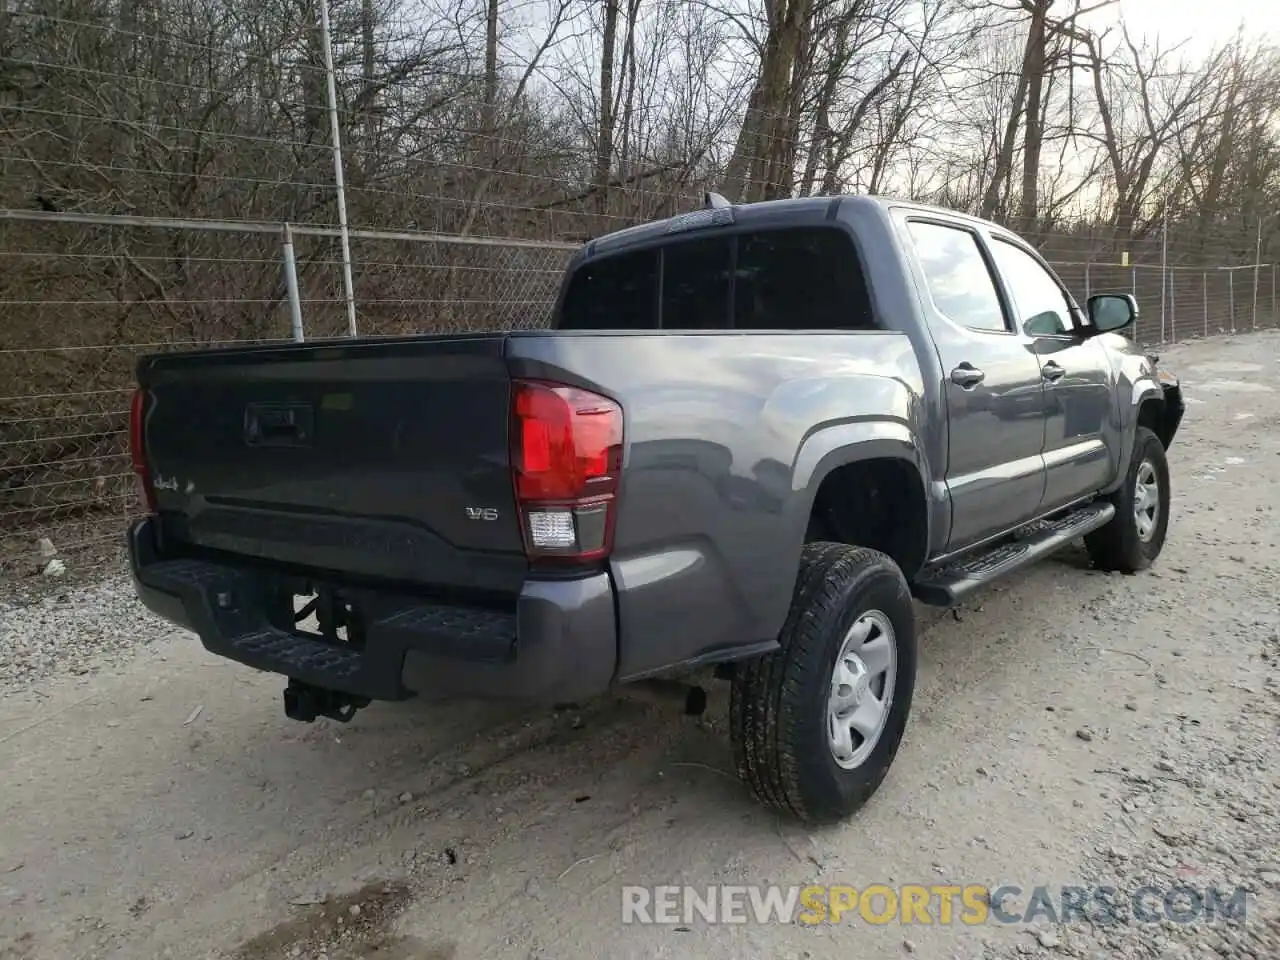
(991, 381)
(1079, 399)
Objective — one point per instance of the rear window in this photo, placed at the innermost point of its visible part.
(799, 278)
(614, 293)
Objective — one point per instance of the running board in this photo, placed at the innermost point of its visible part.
(946, 585)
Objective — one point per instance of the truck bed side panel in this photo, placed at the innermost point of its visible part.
(712, 510)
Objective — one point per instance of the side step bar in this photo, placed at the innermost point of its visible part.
(948, 584)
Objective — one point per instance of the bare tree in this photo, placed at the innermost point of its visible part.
(1136, 136)
(763, 146)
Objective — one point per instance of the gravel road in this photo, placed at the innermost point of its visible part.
(1071, 727)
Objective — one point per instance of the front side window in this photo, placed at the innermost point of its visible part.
(1041, 306)
(956, 272)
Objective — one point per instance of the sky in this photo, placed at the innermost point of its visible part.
(1202, 23)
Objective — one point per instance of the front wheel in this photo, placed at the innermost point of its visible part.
(1134, 537)
(816, 724)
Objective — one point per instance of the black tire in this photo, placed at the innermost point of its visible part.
(778, 703)
(1119, 546)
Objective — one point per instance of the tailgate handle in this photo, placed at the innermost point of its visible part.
(277, 424)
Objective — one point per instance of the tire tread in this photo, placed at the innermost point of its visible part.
(1116, 547)
(768, 700)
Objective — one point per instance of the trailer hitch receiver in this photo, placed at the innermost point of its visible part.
(304, 702)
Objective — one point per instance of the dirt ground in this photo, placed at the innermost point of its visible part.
(1070, 727)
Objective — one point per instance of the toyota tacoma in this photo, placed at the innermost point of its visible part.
(752, 435)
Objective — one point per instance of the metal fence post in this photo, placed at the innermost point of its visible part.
(1204, 296)
(1173, 306)
(1231, 296)
(335, 133)
(1275, 320)
(291, 283)
(1255, 296)
(1133, 283)
(1164, 267)
(1257, 260)
(1086, 280)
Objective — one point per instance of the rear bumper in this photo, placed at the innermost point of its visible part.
(559, 644)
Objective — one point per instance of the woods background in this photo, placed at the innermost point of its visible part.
(149, 149)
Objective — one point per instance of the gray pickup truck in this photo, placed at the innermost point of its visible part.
(753, 435)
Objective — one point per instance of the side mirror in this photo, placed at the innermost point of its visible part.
(1109, 312)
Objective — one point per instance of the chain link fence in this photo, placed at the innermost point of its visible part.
(113, 289)
(131, 135)
(1180, 302)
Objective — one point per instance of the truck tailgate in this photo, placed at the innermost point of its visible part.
(387, 459)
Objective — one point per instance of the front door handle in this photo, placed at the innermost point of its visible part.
(967, 376)
(1052, 372)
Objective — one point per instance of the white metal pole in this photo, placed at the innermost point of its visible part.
(1257, 261)
(1204, 295)
(1133, 284)
(291, 284)
(1231, 295)
(335, 133)
(1164, 260)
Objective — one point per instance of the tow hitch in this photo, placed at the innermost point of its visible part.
(304, 702)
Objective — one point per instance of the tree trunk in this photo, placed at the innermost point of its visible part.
(604, 136)
(780, 174)
(1033, 123)
(994, 193)
(822, 133)
(767, 120)
(489, 118)
(629, 97)
(368, 76)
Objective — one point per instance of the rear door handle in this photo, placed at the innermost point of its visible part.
(967, 376)
(1051, 371)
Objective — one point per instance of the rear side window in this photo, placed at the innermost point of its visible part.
(799, 278)
(956, 272)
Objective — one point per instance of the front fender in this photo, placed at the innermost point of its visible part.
(1139, 391)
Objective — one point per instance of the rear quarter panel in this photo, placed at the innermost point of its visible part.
(727, 437)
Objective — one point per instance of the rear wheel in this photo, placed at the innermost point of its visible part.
(1135, 536)
(816, 724)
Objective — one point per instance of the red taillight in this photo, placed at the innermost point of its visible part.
(138, 449)
(566, 459)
